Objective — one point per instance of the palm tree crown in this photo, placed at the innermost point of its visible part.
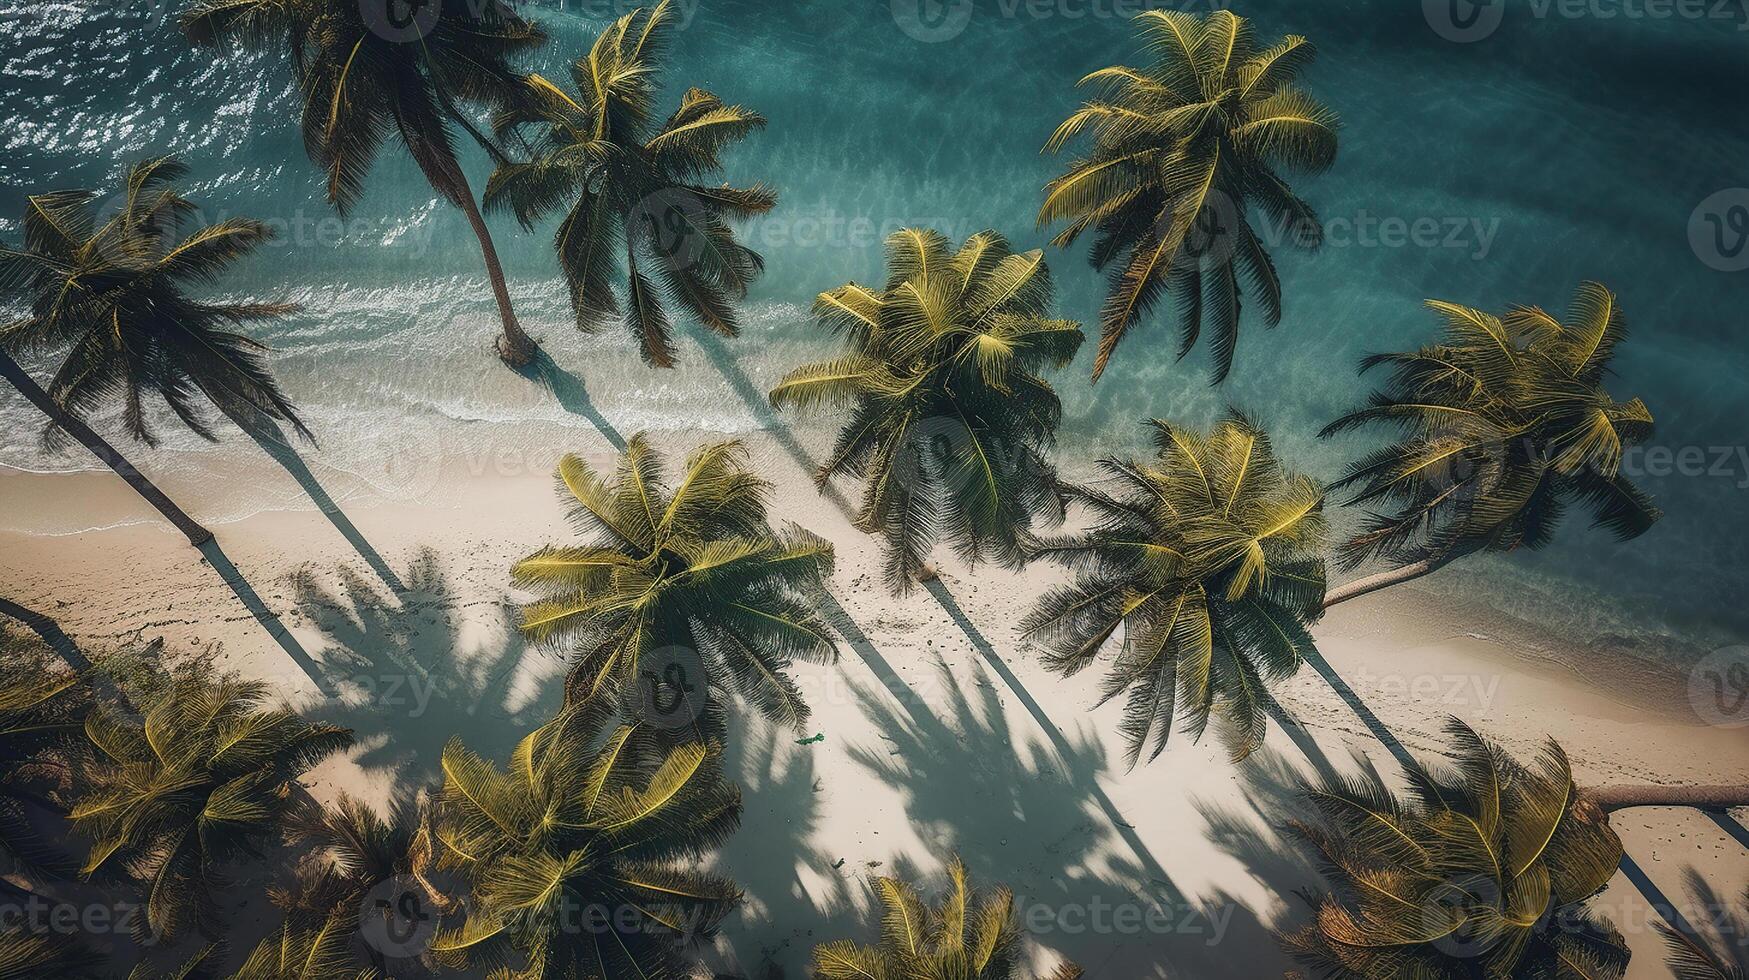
(575, 854)
(1182, 150)
(631, 187)
(365, 77)
(107, 281)
(201, 781)
(1502, 424)
(1483, 871)
(949, 419)
(969, 936)
(1205, 566)
(696, 565)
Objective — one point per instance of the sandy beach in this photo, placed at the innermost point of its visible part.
(942, 732)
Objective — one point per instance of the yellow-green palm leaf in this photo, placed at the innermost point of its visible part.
(1203, 569)
(1183, 155)
(950, 420)
(1483, 870)
(1500, 428)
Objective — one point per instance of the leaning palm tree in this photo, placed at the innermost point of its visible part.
(365, 77)
(1182, 151)
(692, 565)
(108, 284)
(634, 188)
(949, 421)
(969, 936)
(1501, 426)
(1482, 871)
(205, 778)
(1204, 567)
(578, 854)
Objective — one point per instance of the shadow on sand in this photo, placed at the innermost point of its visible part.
(404, 682)
(571, 395)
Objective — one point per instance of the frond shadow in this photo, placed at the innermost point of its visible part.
(404, 682)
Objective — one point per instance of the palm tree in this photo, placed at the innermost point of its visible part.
(1482, 871)
(949, 420)
(42, 714)
(578, 854)
(107, 284)
(1182, 151)
(1502, 425)
(694, 566)
(204, 779)
(969, 936)
(631, 187)
(360, 853)
(1204, 566)
(365, 77)
(320, 953)
(25, 953)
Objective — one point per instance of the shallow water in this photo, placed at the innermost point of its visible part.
(1557, 149)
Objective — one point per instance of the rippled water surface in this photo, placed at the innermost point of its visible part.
(1556, 150)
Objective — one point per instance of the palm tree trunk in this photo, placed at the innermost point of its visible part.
(12, 372)
(1383, 580)
(1612, 798)
(515, 347)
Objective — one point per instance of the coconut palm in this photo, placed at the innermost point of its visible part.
(42, 715)
(107, 282)
(1203, 567)
(1182, 152)
(693, 565)
(61, 954)
(323, 952)
(969, 936)
(365, 76)
(1481, 871)
(203, 779)
(949, 420)
(1501, 427)
(358, 852)
(631, 186)
(579, 854)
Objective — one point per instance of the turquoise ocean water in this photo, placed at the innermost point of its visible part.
(1562, 146)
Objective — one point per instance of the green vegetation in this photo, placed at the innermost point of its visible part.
(968, 936)
(695, 566)
(1183, 150)
(949, 419)
(631, 188)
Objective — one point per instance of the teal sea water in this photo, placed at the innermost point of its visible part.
(1556, 149)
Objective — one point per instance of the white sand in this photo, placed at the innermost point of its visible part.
(1172, 870)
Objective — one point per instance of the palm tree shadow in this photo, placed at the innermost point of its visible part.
(49, 632)
(406, 685)
(1021, 814)
(572, 396)
(719, 355)
(1726, 930)
(794, 897)
(252, 601)
(273, 441)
